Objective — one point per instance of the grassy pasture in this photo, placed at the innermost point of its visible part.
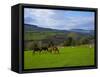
(68, 56)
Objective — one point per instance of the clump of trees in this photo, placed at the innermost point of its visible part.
(73, 39)
(69, 42)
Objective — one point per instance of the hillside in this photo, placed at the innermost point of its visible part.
(33, 32)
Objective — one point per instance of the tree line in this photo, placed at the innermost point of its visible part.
(68, 42)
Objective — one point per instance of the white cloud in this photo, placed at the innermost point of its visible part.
(54, 19)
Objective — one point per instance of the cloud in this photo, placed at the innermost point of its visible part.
(42, 17)
(59, 19)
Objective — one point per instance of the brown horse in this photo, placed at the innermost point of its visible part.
(50, 49)
(53, 49)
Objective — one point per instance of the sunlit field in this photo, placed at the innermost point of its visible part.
(68, 56)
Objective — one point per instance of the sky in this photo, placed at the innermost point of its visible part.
(59, 19)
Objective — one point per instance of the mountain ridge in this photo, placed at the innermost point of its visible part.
(34, 28)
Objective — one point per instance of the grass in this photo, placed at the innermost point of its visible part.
(68, 56)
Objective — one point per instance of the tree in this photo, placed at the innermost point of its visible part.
(69, 42)
(84, 40)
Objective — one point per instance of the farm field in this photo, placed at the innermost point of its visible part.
(68, 56)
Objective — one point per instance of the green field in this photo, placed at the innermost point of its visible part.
(68, 56)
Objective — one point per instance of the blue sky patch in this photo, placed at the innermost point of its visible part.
(59, 19)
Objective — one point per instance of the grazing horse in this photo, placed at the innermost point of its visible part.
(45, 48)
(36, 49)
(53, 49)
(40, 49)
(50, 49)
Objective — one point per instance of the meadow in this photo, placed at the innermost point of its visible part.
(68, 57)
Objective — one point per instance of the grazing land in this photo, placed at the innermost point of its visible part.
(68, 56)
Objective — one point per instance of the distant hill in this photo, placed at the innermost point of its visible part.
(35, 28)
(82, 31)
(33, 32)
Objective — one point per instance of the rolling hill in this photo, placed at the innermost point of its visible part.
(35, 28)
(33, 32)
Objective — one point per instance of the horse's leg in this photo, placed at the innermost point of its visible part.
(54, 50)
(33, 52)
(51, 51)
(45, 51)
(57, 51)
(40, 50)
